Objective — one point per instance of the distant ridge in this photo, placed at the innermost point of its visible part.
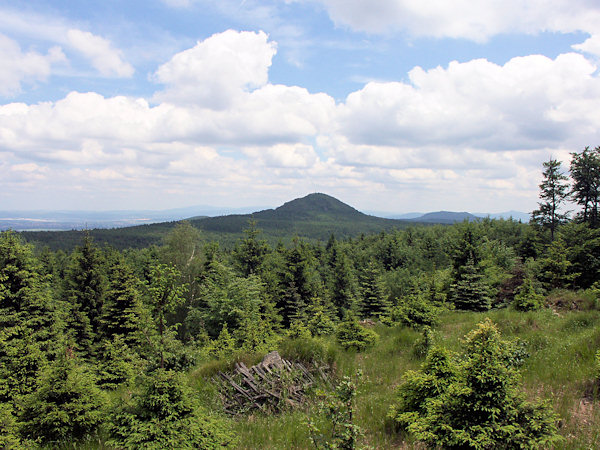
(445, 217)
(316, 216)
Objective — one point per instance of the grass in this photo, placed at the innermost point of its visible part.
(560, 369)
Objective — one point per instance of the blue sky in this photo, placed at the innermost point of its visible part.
(389, 105)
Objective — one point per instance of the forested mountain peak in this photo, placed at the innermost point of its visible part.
(315, 204)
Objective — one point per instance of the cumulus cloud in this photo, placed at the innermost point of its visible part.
(214, 72)
(529, 102)
(475, 20)
(17, 67)
(100, 52)
(590, 45)
(476, 128)
(295, 156)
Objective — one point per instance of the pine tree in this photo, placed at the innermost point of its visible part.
(66, 406)
(251, 251)
(585, 172)
(122, 306)
(374, 297)
(167, 414)
(469, 290)
(85, 290)
(475, 401)
(553, 192)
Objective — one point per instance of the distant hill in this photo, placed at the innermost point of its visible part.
(445, 217)
(315, 217)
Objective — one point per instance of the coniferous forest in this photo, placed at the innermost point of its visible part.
(482, 334)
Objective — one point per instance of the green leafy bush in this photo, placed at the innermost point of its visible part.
(527, 299)
(342, 432)
(66, 406)
(415, 311)
(473, 401)
(351, 335)
(166, 414)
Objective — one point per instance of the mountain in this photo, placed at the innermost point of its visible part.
(315, 216)
(445, 217)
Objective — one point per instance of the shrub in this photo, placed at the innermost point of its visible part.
(166, 414)
(478, 404)
(527, 299)
(339, 408)
(351, 335)
(415, 311)
(67, 405)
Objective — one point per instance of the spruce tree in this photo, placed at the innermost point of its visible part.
(167, 414)
(85, 290)
(585, 172)
(374, 300)
(250, 252)
(121, 314)
(554, 190)
(67, 405)
(469, 290)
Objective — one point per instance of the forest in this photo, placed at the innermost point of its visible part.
(480, 334)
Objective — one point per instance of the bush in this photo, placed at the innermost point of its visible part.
(474, 400)
(527, 299)
(415, 311)
(166, 414)
(67, 405)
(352, 336)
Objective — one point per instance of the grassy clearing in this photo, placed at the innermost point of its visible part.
(560, 369)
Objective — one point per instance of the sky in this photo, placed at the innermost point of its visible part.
(387, 105)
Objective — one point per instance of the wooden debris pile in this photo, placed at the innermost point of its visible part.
(271, 385)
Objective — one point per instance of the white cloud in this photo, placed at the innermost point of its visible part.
(214, 72)
(529, 102)
(100, 52)
(475, 20)
(290, 156)
(18, 67)
(473, 130)
(591, 45)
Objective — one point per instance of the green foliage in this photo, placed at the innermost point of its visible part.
(118, 364)
(165, 294)
(222, 347)
(479, 406)
(527, 299)
(307, 350)
(469, 290)
(437, 372)
(251, 251)
(167, 414)
(298, 330)
(585, 172)
(415, 311)
(374, 298)
(122, 315)
(339, 408)
(553, 192)
(319, 319)
(9, 432)
(555, 268)
(352, 336)
(85, 290)
(66, 406)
